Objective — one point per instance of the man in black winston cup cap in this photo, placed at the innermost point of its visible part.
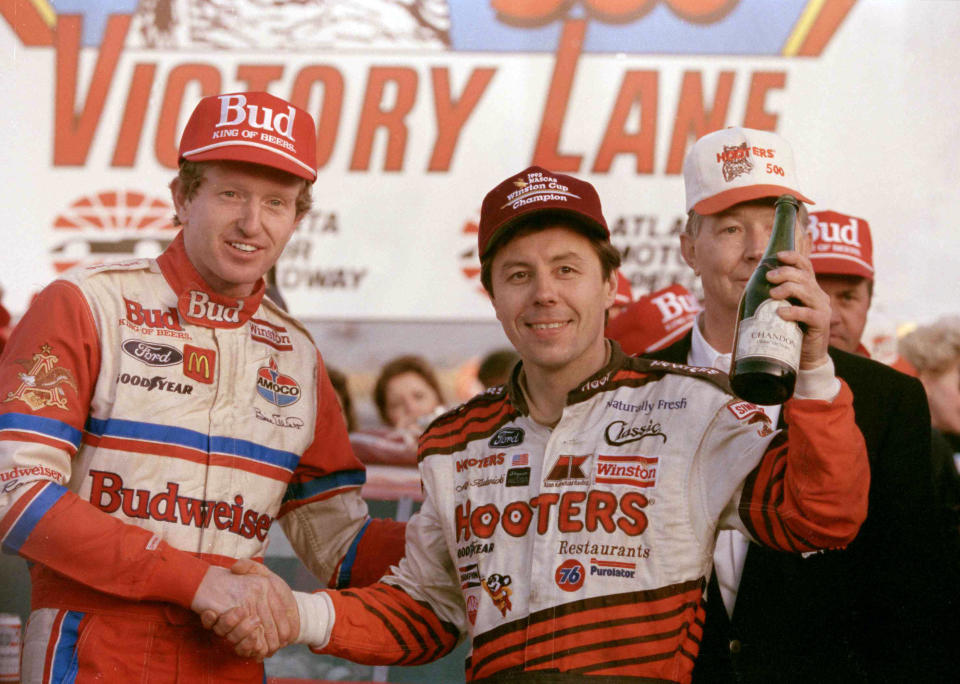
(160, 414)
(568, 517)
(846, 615)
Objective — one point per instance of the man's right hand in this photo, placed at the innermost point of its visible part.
(248, 600)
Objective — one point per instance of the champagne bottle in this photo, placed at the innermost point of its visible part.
(766, 349)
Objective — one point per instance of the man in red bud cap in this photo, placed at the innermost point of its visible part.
(846, 615)
(842, 258)
(159, 414)
(568, 515)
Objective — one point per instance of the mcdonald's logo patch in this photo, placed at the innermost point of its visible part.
(199, 364)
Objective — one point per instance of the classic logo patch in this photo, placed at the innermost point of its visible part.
(152, 353)
(507, 437)
(42, 383)
(199, 364)
(569, 575)
(637, 471)
(619, 432)
(275, 387)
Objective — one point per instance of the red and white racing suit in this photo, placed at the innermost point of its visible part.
(582, 551)
(150, 427)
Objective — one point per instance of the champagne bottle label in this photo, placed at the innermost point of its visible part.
(766, 334)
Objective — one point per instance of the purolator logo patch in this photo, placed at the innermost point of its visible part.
(275, 387)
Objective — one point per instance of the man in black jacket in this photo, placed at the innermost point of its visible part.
(884, 608)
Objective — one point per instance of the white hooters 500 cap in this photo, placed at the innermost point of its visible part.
(736, 165)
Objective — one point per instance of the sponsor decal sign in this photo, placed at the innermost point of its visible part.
(635, 471)
(199, 364)
(42, 382)
(152, 353)
(277, 388)
(570, 575)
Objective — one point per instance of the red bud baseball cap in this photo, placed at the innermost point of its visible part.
(655, 321)
(841, 245)
(535, 190)
(252, 127)
(736, 165)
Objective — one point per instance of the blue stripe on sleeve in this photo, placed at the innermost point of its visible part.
(45, 426)
(298, 491)
(35, 510)
(346, 568)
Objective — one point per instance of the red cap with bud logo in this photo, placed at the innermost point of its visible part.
(252, 127)
(536, 190)
(655, 321)
(841, 245)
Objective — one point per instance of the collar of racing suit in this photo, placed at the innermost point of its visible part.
(196, 300)
(582, 391)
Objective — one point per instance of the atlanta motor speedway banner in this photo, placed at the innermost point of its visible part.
(423, 105)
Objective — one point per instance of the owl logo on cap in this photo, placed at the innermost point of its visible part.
(736, 161)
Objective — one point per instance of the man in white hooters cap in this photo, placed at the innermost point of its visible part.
(843, 615)
(159, 414)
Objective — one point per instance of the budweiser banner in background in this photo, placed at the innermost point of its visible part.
(423, 105)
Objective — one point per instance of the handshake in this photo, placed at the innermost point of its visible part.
(255, 610)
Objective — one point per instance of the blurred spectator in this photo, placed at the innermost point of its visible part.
(935, 351)
(408, 394)
(495, 367)
(842, 258)
(340, 386)
(655, 320)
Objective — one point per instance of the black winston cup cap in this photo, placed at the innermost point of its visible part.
(253, 127)
(535, 190)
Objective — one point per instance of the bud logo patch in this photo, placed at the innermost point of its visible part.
(569, 575)
(200, 307)
(152, 353)
(637, 471)
(275, 387)
(151, 320)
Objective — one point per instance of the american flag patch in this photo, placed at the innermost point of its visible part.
(520, 459)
